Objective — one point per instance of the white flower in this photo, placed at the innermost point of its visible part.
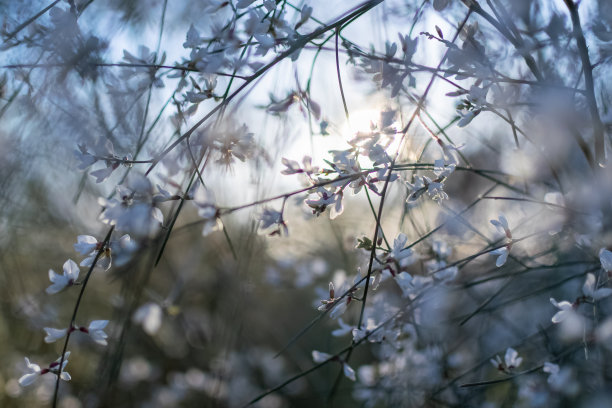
(205, 201)
(435, 189)
(85, 244)
(33, 372)
(552, 369)
(588, 289)
(343, 330)
(376, 337)
(404, 281)
(193, 38)
(96, 331)
(319, 356)
(502, 256)
(324, 199)
(270, 218)
(560, 379)
(121, 250)
(501, 224)
(54, 334)
(53, 367)
(565, 309)
(133, 211)
(605, 257)
(441, 272)
(340, 308)
(149, 316)
(348, 371)
(511, 361)
(442, 169)
(403, 257)
(59, 282)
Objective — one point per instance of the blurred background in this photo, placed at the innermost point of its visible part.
(217, 319)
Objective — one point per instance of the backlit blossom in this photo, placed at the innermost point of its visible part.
(133, 210)
(501, 224)
(59, 282)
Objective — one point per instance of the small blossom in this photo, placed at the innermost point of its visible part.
(193, 38)
(54, 334)
(605, 257)
(501, 224)
(149, 316)
(589, 289)
(33, 371)
(96, 331)
(85, 244)
(373, 337)
(207, 209)
(565, 309)
(319, 356)
(270, 218)
(133, 211)
(324, 200)
(502, 256)
(550, 368)
(59, 282)
(399, 257)
(511, 361)
(560, 379)
(348, 372)
(343, 330)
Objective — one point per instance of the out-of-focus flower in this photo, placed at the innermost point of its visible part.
(205, 201)
(149, 316)
(501, 224)
(605, 257)
(339, 305)
(589, 289)
(343, 330)
(121, 250)
(561, 379)
(59, 282)
(511, 361)
(565, 308)
(272, 218)
(133, 211)
(326, 199)
(373, 336)
(320, 357)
